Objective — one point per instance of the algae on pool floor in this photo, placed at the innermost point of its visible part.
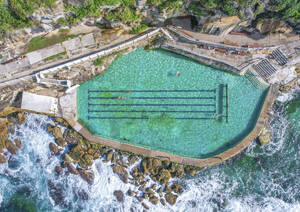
(141, 100)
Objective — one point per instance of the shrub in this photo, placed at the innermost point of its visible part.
(138, 29)
(98, 62)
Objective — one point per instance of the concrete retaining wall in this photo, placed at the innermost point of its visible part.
(201, 58)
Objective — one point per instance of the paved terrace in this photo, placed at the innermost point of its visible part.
(67, 107)
(77, 60)
(200, 56)
(278, 39)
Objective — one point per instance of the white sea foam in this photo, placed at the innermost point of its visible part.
(212, 189)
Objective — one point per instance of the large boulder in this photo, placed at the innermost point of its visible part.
(264, 136)
(2, 159)
(171, 198)
(121, 172)
(153, 200)
(18, 143)
(87, 176)
(109, 155)
(72, 136)
(10, 146)
(190, 171)
(21, 118)
(164, 176)
(58, 169)
(119, 195)
(288, 86)
(55, 131)
(72, 169)
(54, 149)
(273, 25)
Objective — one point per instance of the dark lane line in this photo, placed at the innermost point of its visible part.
(89, 98)
(150, 111)
(151, 91)
(89, 104)
(179, 118)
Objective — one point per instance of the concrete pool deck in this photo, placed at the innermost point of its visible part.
(68, 110)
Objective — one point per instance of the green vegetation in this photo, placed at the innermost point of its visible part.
(98, 61)
(43, 42)
(284, 9)
(62, 21)
(230, 10)
(55, 56)
(20, 203)
(14, 16)
(138, 29)
(293, 106)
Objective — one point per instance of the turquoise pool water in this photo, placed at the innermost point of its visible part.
(139, 100)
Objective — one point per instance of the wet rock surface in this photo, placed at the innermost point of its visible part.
(119, 195)
(78, 155)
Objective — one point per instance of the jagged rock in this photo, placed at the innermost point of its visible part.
(166, 163)
(168, 189)
(56, 132)
(156, 163)
(264, 136)
(130, 192)
(72, 169)
(164, 176)
(96, 155)
(121, 172)
(61, 142)
(56, 193)
(140, 199)
(122, 163)
(288, 86)
(154, 187)
(119, 195)
(72, 136)
(108, 156)
(146, 195)
(190, 171)
(153, 200)
(132, 159)
(87, 176)
(2, 159)
(10, 146)
(145, 206)
(272, 25)
(91, 151)
(177, 188)
(88, 159)
(163, 201)
(21, 118)
(171, 198)
(58, 169)
(18, 143)
(114, 157)
(54, 149)
(67, 158)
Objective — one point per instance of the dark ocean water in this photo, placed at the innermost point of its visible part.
(260, 179)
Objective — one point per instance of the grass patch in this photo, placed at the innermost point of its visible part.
(98, 61)
(43, 42)
(55, 56)
(138, 29)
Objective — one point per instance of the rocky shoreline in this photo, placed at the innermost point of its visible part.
(151, 177)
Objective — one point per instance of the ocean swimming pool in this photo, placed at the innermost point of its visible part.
(166, 102)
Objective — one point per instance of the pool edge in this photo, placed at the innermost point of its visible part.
(240, 146)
